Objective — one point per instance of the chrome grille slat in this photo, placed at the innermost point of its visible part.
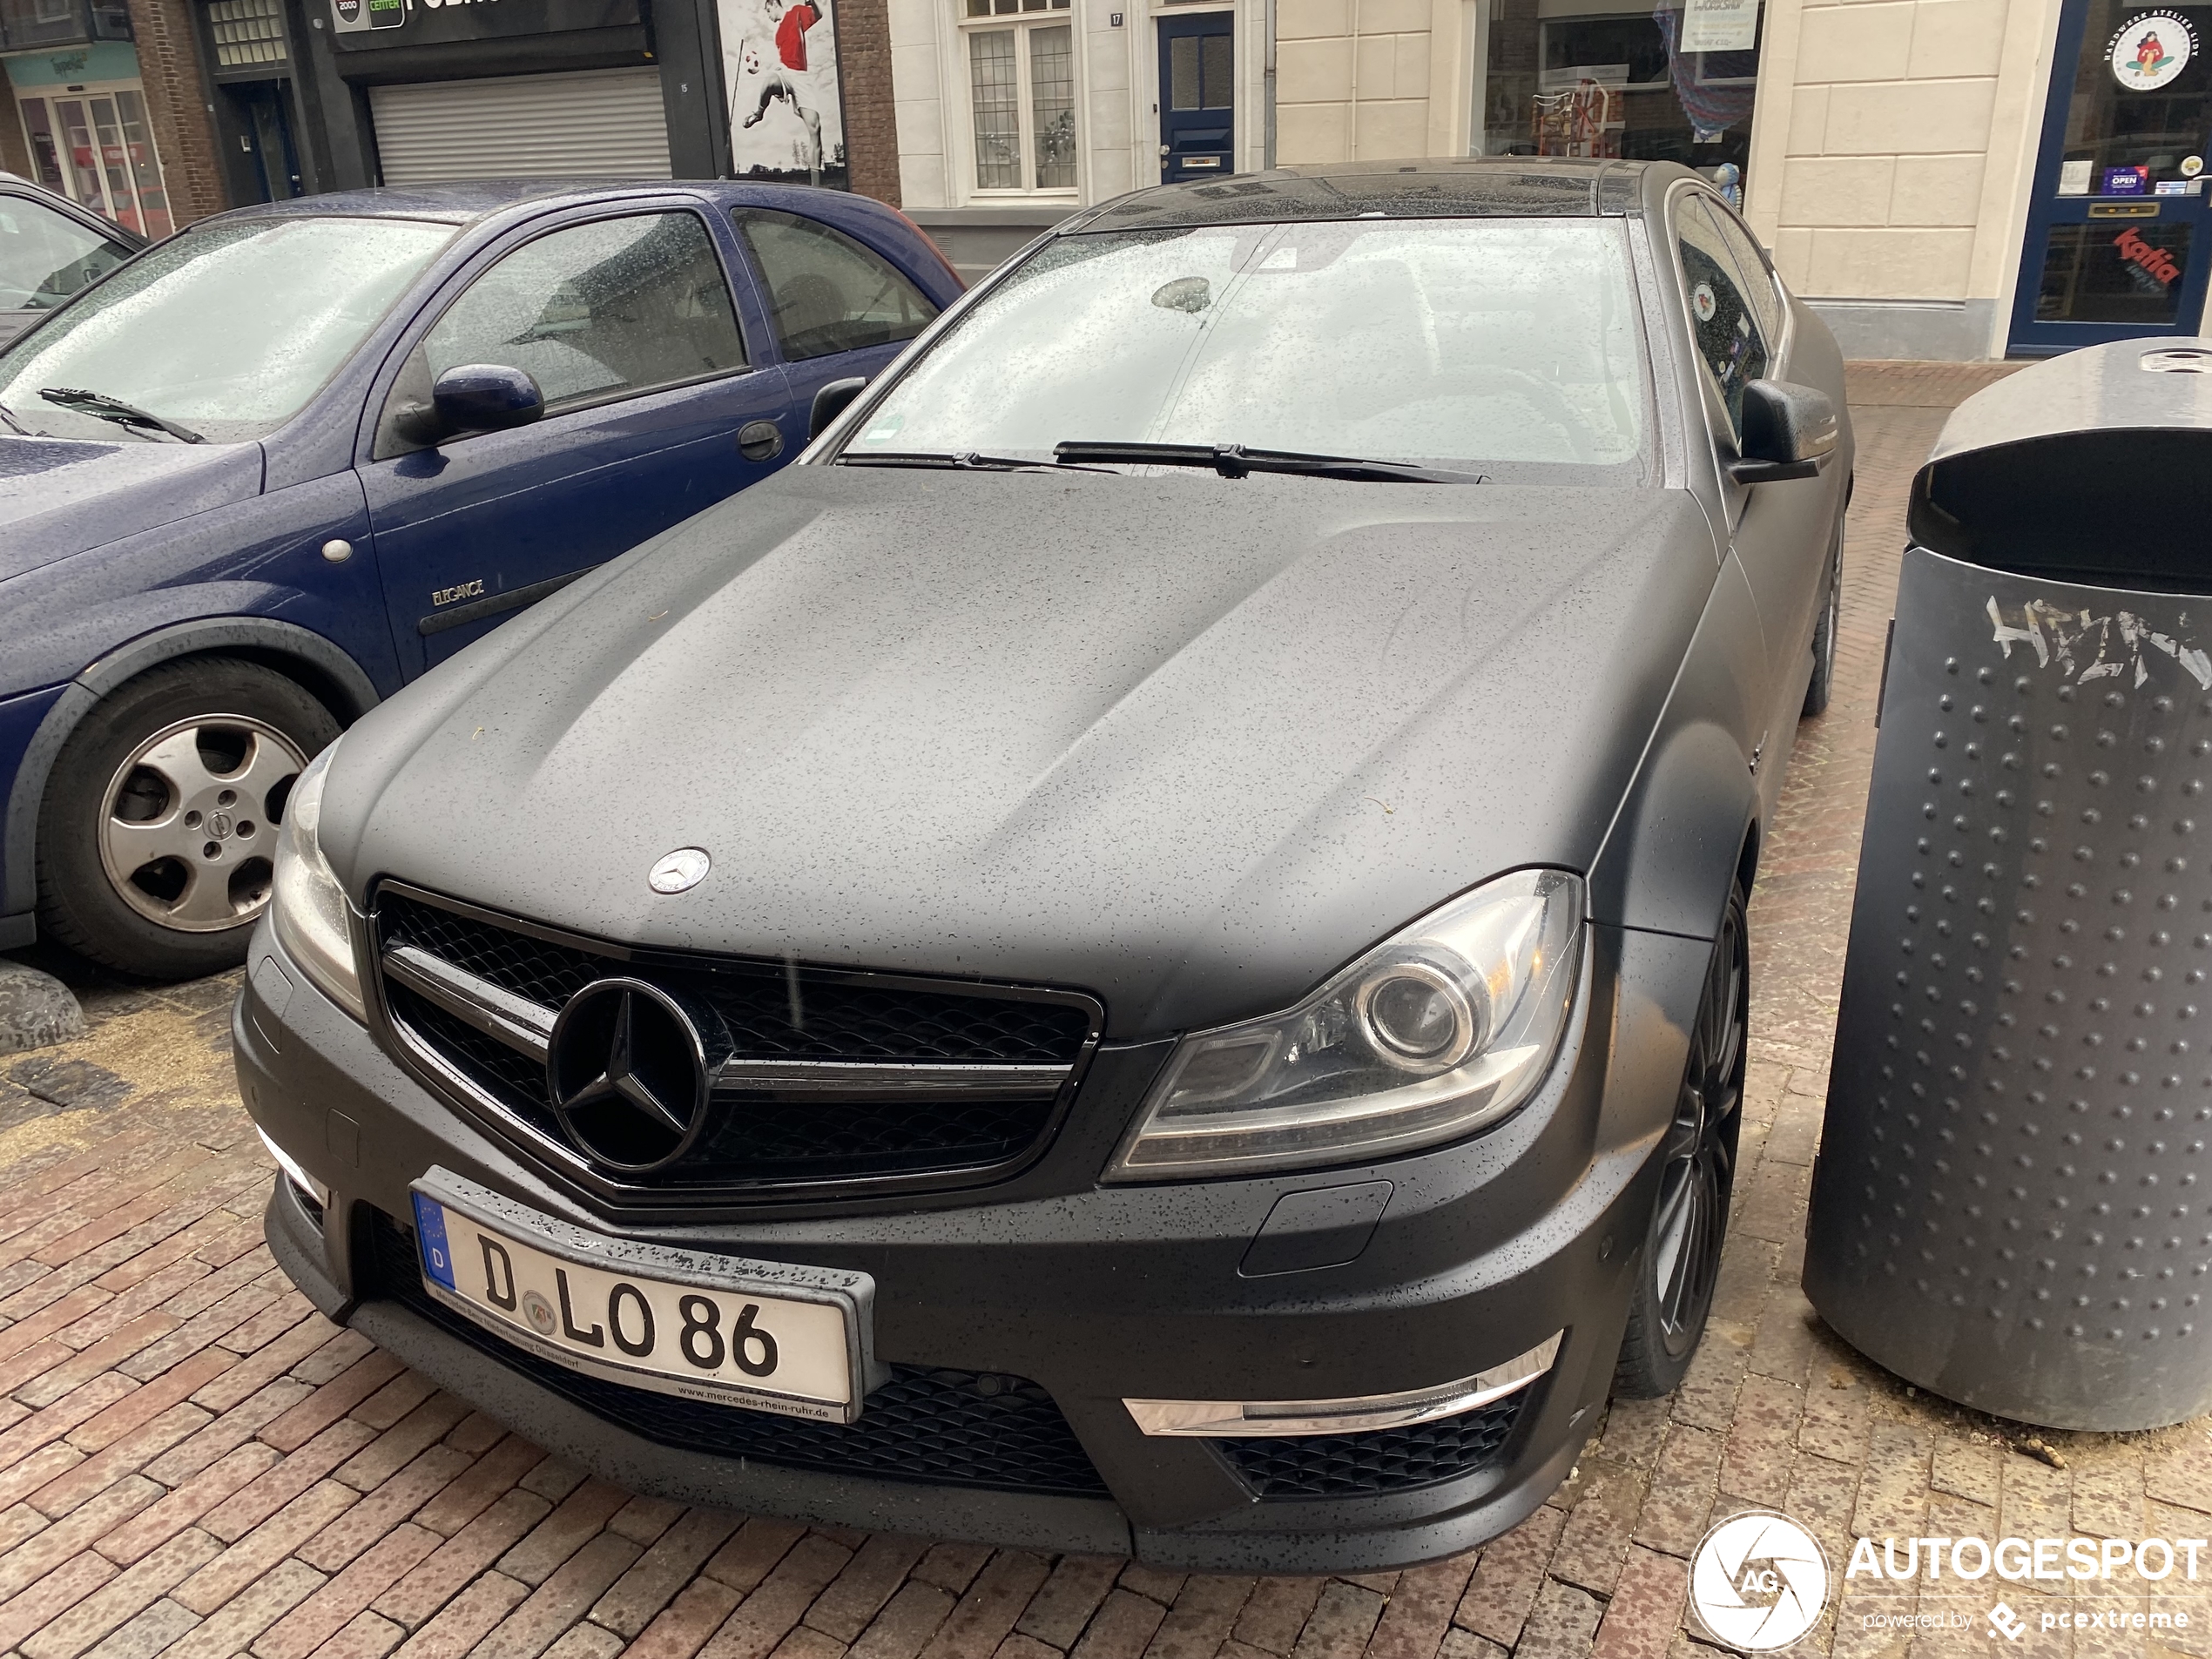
(831, 1078)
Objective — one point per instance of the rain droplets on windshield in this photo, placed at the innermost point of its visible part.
(227, 330)
(1443, 342)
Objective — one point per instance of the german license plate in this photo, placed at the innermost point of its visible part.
(768, 1336)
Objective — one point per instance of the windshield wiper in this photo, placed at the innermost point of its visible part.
(101, 406)
(1234, 461)
(966, 461)
(8, 415)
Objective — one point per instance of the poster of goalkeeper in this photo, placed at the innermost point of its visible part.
(780, 61)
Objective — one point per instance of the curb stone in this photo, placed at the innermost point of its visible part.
(36, 1009)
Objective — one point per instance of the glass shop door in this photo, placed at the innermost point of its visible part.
(2118, 227)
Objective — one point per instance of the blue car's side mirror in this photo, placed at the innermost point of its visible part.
(485, 397)
(473, 397)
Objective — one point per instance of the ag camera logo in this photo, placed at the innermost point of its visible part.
(1758, 1581)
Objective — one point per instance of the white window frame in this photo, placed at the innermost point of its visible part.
(85, 93)
(1022, 23)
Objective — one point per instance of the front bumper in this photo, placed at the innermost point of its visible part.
(1484, 1249)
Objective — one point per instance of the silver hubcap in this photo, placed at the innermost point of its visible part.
(188, 824)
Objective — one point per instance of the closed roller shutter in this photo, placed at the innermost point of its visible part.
(602, 123)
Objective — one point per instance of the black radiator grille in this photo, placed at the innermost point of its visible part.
(931, 1426)
(760, 1138)
(1391, 1460)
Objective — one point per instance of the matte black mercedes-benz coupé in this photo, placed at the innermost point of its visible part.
(1146, 951)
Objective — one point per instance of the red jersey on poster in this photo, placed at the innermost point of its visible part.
(791, 33)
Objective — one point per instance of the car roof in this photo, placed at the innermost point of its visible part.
(14, 184)
(467, 202)
(1462, 188)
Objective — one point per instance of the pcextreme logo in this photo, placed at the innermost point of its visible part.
(1758, 1581)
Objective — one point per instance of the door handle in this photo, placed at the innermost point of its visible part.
(760, 441)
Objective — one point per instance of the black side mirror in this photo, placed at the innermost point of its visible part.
(831, 402)
(473, 397)
(1788, 432)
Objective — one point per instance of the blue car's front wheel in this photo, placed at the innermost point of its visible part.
(158, 827)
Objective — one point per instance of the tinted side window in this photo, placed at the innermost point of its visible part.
(599, 311)
(1750, 266)
(1721, 318)
(826, 291)
(45, 257)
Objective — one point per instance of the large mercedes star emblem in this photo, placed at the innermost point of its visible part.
(628, 1074)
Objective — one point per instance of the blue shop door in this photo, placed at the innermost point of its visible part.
(653, 413)
(1197, 97)
(2117, 230)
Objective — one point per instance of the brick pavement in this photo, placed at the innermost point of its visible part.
(194, 1464)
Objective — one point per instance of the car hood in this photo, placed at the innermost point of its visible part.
(64, 496)
(1185, 742)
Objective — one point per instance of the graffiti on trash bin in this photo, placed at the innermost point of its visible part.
(2067, 636)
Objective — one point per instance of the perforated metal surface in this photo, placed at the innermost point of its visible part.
(1392, 1459)
(755, 1139)
(935, 1427)
(2013, 1200)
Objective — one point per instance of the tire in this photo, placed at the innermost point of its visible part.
(1823, 684)
(1681, 1250)
(158, 830)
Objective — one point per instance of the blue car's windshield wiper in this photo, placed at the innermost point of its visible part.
(101, 406)
(8, 415)
(965, 461)
(1234, 461)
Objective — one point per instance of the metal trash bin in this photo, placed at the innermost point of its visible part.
(2012, 1202)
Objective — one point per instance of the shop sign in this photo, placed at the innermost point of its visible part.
(2126, 181)
(352, 15)
(2157, 261)
(2151, 50)
(1720, 25)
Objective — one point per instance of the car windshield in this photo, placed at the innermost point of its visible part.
(224, 331)
(1504, 347)
(45, 257)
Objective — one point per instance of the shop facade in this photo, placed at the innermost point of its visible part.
(1942, 179)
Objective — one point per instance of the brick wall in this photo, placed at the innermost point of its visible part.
(183, 132)
(870, 121)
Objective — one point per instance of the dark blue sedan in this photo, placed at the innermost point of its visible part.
(264, 474)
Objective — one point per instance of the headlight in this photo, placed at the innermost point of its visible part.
(309, 913)
(1446, 1028)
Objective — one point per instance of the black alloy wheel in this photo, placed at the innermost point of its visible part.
(1822, 686)
(1681, 1252)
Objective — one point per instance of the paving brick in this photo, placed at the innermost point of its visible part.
(985, 1615)
(53, 1594)
(42, 1427)
(263, 1366)
(907, 1625)
(149, 1400)
(469, 1552)
(1204, 1613)
(148, 1633)
(330, 1608)
(575, 1519)
(262, 1497)
(588, 1641)
(1420, 1609)
(1161, 1585)
(263, 1547)
(2109, 1499)
(95, 1474)
(333, 1400)
(181, 1508)
(381, 1510)
(1017, 1646)
(121, 1598)
(882, 1563)
(1058, 1612)
(1122, 1627)
(561, 1599)
(682, 1628)
(289, 1311)
(1275, 1611)
(752, 1555)
(1762, 1439)
(764, 1617)
(235, 1427)
(466, 1619)
(421, 1428)
(495, 1472)
(1641, 1620)
(1564, 1623)
(1595, 1540)
(23, 1565)
(1507, 1577)
(1342, 1619)
(555, 1478)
